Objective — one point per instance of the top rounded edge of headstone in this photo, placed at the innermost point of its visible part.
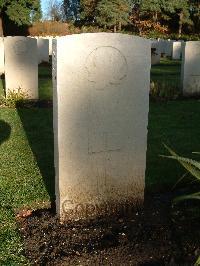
(191, 42)
(24, 39)
(19, 37)
(106, 34)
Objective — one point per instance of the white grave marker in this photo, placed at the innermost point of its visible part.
(21, 66)
(191, 68)
(2, 55)
(43, 50)
(177, 50)
(168, 47)
(101, 103)
(155, 52)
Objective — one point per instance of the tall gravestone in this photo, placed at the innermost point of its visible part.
(21, 65)
(190, 72)
(1, 55)
(177, 50)
(50, 38)
(101, 103)
(162, 46)
(43, 50)
(155, 52)
(168, 47)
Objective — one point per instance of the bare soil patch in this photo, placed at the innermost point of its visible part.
(159, 234)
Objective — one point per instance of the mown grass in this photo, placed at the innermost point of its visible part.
(26, 156)
(167, 76)
(166, 70)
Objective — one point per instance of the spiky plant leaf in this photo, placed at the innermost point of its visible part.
(190, 165)
(197, 262)
(195, 196)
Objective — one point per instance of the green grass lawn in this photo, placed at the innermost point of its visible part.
(26, 156)
(167, 75)
(167, 70)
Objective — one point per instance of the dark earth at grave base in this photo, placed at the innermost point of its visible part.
(160, 234)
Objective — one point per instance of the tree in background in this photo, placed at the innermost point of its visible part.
(113, 13)
(147, 16)
(144, 16)
(195, 14)
(21, 12)
(55, 11)
(166, 15)
(88, 11)
(71, 9)
(151, 8)
(179, 11)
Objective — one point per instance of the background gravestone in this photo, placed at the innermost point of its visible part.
(43, 50)
(155, 52)
(50, 38)
(191, 68)
(168, 47)
(21, 65)
(177, 50)
(162, 44)
(1, 55)
(101, 103)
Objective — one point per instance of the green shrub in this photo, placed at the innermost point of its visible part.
(13, 98)
(164, 90)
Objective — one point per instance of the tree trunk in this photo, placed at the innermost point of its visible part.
(115, 29)
(120, 26)
(155, 17)
(180, 24)
(1, 26)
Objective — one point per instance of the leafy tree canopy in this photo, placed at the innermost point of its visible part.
(113, 12)
(21, 11)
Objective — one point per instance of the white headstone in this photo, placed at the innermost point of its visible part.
(21, 65)
(43, 50)
(1, 55)
(101, 103)
(177, 50)
(155, 53)
(169, 47)
(162, 46)
(50, 45)
(191, 68)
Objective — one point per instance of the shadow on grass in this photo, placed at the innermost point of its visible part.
(38, 125)
(5, 131)
(2, 85)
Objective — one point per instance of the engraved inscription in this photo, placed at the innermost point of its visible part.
(106, 65)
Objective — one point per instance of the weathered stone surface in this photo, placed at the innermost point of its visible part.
(1, 55)
(190, 73)
(177, 50)
(43, 50)
(101, 103)
(21, 65)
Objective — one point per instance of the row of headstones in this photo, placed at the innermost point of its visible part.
(190, 67)
(101, 100)
(21, 56)
(19, 59)
(166, 48)
(44, 49)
